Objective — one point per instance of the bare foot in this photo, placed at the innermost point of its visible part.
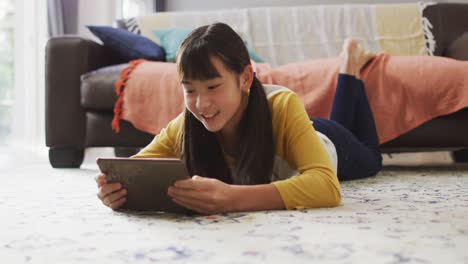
(354, 57)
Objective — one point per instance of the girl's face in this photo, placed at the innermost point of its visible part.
(218, 103)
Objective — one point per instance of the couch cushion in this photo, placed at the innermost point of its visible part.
(99, 132)
(97, 88)
(459, 48)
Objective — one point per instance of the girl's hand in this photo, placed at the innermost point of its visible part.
(203, 195)
(112, 195)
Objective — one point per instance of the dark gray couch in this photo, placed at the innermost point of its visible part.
(79, 110)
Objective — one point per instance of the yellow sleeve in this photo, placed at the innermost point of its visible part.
(164, 144)
(317, 184)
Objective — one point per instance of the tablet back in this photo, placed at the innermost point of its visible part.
(147, 181)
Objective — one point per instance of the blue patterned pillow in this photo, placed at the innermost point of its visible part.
(129, 46)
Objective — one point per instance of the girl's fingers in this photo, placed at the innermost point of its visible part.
(116, 204)
(107, 189)
(191, 205)
(191, 194)
(101, 183)
(112, 198)
(100, 179)
(196, 182)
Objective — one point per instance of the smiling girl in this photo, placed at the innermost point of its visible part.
(251, 146)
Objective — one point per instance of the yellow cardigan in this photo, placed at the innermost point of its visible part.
(303, 172)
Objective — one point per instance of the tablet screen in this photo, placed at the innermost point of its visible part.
(147, 181)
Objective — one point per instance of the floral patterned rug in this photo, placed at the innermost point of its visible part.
(404, 215)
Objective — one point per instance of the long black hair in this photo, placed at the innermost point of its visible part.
(200, 148)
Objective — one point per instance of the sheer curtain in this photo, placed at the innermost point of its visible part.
(62, 17)
(55, 17)
(28, 110)
(33, 26)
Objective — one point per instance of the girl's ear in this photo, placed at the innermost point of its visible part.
(247, 78)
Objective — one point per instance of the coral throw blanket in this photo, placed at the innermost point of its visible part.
(403, 91)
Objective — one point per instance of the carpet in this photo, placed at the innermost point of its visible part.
(403, 215)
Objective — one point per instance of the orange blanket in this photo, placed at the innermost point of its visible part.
(403, 91)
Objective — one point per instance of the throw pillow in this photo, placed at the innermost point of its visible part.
(171, 38)
(129, 46)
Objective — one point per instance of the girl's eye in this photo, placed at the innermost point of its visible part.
(188, 91)
(213, 87)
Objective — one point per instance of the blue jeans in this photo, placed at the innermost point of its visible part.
(351, 128)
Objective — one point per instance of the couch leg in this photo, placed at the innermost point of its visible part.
(460, 155)
(125, 152)
(66, 157)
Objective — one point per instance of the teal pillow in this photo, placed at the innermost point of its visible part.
(171, 38)
(254, 56)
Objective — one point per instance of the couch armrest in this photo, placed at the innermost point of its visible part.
(67, 58)
(458, 49)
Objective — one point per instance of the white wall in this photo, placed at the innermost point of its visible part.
(96, 12)
(176, 5)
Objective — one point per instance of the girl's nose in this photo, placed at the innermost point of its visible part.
(203, 103)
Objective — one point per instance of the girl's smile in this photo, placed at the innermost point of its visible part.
(209, 118)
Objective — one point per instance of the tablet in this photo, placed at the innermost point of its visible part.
(146, 181)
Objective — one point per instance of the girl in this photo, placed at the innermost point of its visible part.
(252, 146)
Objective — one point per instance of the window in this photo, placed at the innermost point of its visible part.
(132, 8)
(6, 68)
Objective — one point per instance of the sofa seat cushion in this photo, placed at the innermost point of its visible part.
(459, 48)
(443, 132)
(97, 88)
